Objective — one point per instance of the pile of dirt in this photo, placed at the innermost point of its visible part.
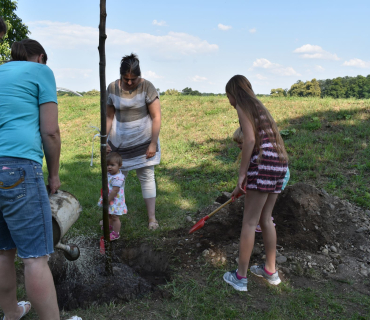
(308, 219)
(318, 234)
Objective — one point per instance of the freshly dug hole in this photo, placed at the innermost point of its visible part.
(136, 272)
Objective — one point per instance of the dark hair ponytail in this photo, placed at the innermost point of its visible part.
(130, 64)
(25, 49)
(3, 27)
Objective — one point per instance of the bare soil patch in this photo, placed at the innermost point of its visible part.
(320, 237)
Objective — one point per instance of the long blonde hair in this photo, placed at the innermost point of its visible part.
(241, 90)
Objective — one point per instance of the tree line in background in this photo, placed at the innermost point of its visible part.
(341, 87)
(187, 92)
(17, 30)
(346, 87)
(170, 92)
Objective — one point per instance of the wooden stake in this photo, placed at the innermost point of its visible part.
(103, 138)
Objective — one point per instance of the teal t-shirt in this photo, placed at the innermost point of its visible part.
(24, 86)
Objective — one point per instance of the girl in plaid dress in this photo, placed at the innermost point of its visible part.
(262, 170)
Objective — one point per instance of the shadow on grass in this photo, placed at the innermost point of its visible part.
(330, 149)
(193, 188)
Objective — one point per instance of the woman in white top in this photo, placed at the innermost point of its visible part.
(133, 124)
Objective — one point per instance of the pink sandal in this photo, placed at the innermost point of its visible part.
(114, 236)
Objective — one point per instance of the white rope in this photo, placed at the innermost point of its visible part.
(92, 148)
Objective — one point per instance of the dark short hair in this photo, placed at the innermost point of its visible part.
(130, 64)
(3, 27)
(114, 157)
(27, 48)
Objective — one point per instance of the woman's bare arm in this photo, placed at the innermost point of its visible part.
(155, 113)
(50, 135)
(110, 117)
(248, 146)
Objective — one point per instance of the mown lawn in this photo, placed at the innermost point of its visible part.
(328, 144)
(327, 141)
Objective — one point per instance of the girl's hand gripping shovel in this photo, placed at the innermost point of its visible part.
(201, 222)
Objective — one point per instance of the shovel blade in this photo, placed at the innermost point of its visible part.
(198, 225)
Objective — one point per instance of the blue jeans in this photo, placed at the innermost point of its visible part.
(25, 214)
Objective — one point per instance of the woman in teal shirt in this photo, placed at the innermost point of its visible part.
(28, 130)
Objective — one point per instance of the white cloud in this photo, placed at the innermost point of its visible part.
(285, 71)
(309, 51)
(223, 27)
(308, 48)
(358, 63)
(319, 68)
(260, 77)
(264, 63)
(159, 23)
(323, 55)
(253, 30)
(72, 73)
(198, 79)
(59, 35)
(151, 75)
(274, 68)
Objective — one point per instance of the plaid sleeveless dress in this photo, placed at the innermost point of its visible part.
(268, 174)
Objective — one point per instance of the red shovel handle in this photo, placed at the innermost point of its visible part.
(200, 223)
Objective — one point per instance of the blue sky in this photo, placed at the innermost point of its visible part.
(202, 44)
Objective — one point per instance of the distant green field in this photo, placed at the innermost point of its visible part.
(327, 141)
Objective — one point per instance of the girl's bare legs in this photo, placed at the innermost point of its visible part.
(269, 232)
(115, 222)
(253, 205)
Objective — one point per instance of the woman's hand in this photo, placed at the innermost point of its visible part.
(152, 150)
(109, 149)
(53, 184)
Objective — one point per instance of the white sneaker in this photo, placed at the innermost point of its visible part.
(259, 271)
(75, 318)
(231, 278)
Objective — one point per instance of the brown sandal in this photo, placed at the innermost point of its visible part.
(153, 225)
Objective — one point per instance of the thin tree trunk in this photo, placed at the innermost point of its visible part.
(103, 139)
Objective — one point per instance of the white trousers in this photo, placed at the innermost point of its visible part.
(147, 181)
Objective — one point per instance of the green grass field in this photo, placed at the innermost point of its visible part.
(327, 141)
(328, 144)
